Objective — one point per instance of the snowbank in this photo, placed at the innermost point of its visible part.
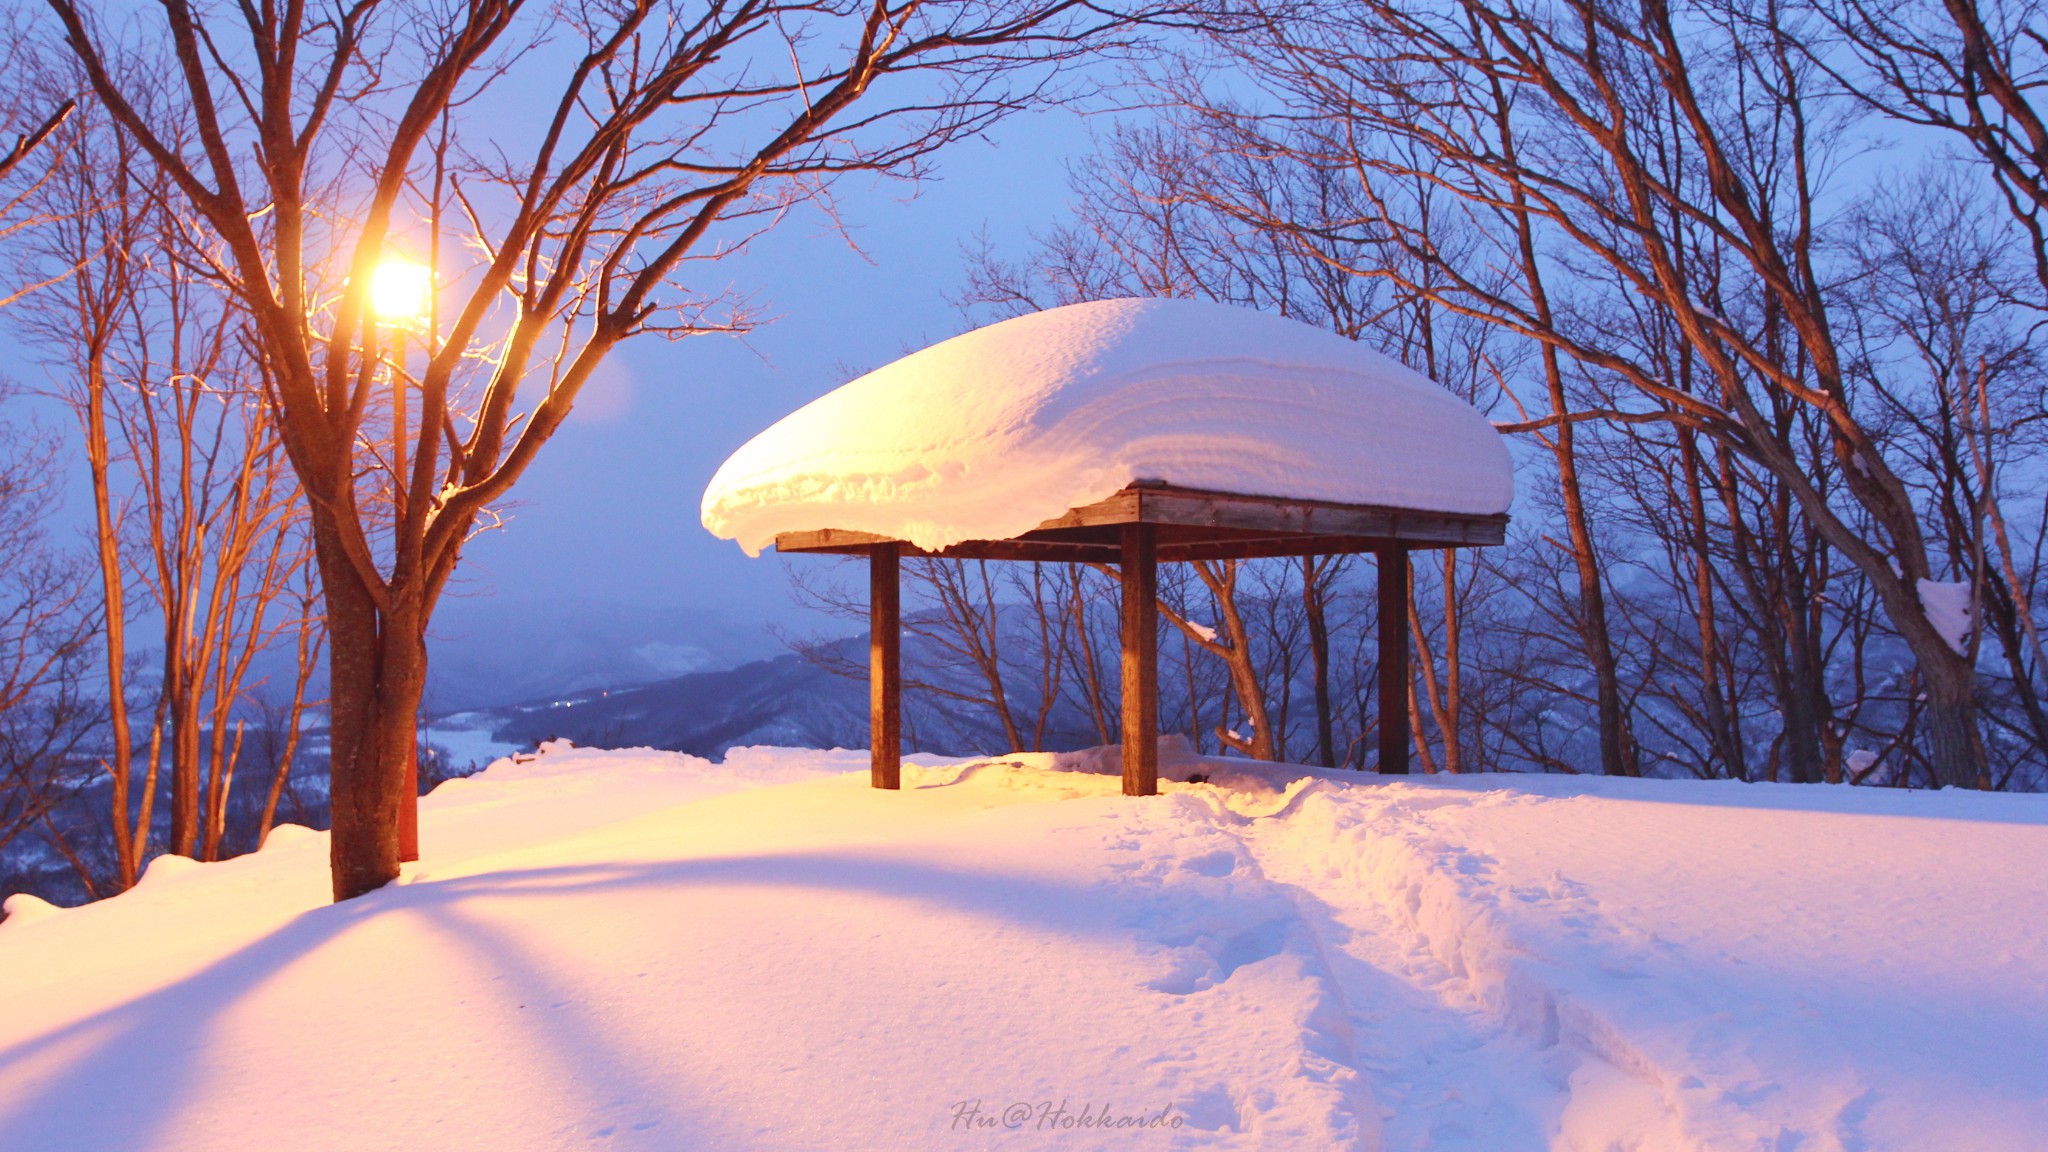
(990, 434)
(645, 950)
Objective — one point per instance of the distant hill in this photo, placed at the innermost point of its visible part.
(787, 700)
(784, 700)
(485, 652)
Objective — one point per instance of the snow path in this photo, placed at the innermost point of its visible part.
(1446, 1075)
(642, 950)
(1697, 965)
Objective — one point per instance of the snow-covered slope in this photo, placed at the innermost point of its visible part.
(645, 950)
(990, 434)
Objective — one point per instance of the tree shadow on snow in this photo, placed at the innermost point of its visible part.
(120, 1078)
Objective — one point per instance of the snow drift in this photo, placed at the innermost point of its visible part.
(990, 434)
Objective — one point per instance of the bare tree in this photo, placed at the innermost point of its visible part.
(1232, 644)
(1682, 154)
(45, 710)
(194, 507)
(33, 111)
(1319, 577)
(967, 629)
(283, 725)
(98, 221)
(324, 140)
(1967, 68)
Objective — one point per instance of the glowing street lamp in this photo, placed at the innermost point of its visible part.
(401, 295)
(400, 290)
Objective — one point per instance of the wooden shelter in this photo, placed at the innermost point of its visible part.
(1136, 529)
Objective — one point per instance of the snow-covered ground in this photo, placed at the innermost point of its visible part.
(645, 950)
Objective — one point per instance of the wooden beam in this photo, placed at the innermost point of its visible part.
(1314, 522)
(1140, 570)
(1026, 548)
(1120, 508)
(828, 540)
(1393, 639)
(885, 665)
(1176, 548)
(1163, 504)
(839, 542)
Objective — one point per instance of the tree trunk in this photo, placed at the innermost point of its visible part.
(1313, 593)
(130, 842)
(1454, 721)
(1221, 579)
(1720, 719)
(1803, 758)
(1595, 639)
(281, 775)
(373, 698)
(184, 717)
(1952, 738)
(2003, 612)
(1090, 666)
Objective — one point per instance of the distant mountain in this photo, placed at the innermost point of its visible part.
(783, 700)
(789, 700)
(484, 652)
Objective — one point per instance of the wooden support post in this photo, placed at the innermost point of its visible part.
(1140, 565)
(885, 665)
(1393, 637)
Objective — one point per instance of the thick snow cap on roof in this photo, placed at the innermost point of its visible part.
(987, 435)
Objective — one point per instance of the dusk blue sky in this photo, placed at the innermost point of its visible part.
(609, 512)
(602, 569)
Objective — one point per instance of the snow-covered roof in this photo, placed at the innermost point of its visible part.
(987, 435)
